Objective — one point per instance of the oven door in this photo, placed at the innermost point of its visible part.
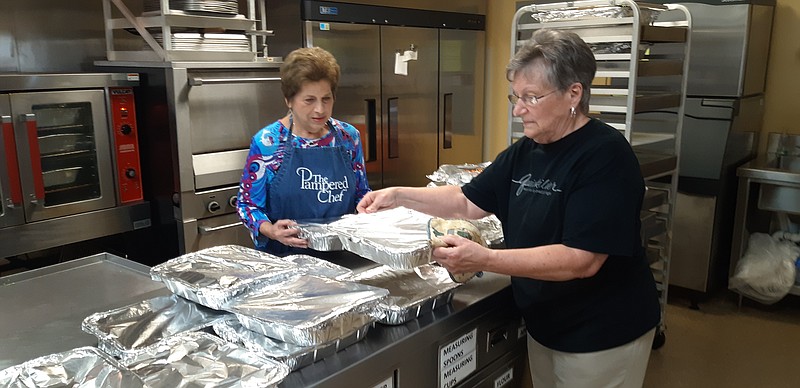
(64, 152)
(10, 190)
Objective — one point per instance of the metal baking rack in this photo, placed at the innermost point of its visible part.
(172, 34)
(642, 53)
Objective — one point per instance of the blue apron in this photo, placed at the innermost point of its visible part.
(311, 183)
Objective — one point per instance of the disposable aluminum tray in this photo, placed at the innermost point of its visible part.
(199, 359)
(397, 237)
(412, 292)
(294, 356)
(124, 331)
(308, 310)
(214, 276)
(81, 367)
(320, 237)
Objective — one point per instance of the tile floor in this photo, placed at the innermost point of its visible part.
(723, 345)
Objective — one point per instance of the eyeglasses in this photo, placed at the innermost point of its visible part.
(527, 101)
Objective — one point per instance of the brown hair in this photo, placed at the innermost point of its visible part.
(310, 64)
(564, 57)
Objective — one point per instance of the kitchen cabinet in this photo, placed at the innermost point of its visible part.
(642, 53)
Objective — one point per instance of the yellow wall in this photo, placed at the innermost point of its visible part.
(782, 96)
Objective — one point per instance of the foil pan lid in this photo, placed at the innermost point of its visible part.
(80, 367)
(202, 360)
(123, 331)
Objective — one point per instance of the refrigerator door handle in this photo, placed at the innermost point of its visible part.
(393, 127)
(447, 117)
(372, 131)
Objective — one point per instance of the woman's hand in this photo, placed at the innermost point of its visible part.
(284, 232)
(461, 255)
(378, 200)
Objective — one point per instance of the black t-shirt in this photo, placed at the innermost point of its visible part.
(584, 191)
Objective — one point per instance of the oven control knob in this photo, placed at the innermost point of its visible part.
(213, 206)
(126, 129)
(232, 201)
(130, 173)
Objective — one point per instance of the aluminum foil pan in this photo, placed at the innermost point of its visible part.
(397, 237)
(317, 267)
(124, 331)
(202, 360)
(308, 310)
(82, 367)
(319, 236)
(294, 356)
(456, 175)
(214, 276)
(647, 15)
(412, 292)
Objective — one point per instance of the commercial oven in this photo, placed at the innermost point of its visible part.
(197, 120)
(70, 160)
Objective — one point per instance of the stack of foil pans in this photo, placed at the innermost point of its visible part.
(308, 310)
(225, 7)
(214, 276)
(123, 332)
(294, 356)
(195, 41)
(412, 292)
(81, 367)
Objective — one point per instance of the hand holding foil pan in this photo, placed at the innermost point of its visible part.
(81, 367)
(397, 237)
(308, 310)
(412, 292)
(202, 360)
(124, 331)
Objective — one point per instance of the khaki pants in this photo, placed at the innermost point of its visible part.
(620, 367)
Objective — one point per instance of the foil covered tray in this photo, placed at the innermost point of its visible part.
(124, 331)
(319, 236)
(199, 359)
(294, 356)
(214, 276)
(81, 367)
(397, 237)
(412, 292)
(308, 310)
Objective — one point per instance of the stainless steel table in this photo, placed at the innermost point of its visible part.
(476, 341)
(41, 310)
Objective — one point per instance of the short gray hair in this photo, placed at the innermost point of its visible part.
(563, 55)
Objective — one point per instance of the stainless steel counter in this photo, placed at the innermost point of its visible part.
(43, 310)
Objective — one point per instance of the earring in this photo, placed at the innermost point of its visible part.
(572, 111)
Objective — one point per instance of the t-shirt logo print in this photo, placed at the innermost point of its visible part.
(327, 191)
(539, 186)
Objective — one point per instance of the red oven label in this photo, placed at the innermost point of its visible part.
(126, 145)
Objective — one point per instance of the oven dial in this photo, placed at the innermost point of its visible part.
(130, 173)
(126, 129)
(232, 201)
(213, 206)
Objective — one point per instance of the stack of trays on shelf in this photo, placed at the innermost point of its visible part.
(196, 41)
(224, 7)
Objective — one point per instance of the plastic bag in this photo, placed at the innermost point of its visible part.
(766, 272)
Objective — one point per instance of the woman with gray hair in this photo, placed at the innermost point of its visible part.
(568, 195)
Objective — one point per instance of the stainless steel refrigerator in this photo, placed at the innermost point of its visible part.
(722, 120)
(412, 81)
